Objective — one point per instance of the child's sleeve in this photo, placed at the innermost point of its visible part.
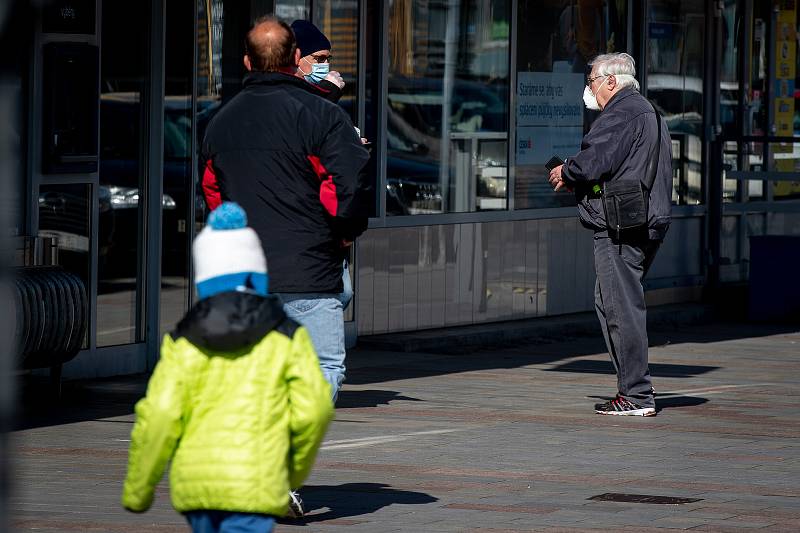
(311, 408)
(157, 429)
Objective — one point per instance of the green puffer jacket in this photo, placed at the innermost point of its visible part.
(237, 402)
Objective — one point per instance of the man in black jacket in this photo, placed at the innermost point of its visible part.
(619, 147)
(294, 162)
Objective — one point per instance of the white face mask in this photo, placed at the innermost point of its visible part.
(589, 98)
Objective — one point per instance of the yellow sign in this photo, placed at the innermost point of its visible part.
(785, 72)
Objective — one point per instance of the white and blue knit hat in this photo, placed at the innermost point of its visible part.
(228, 255)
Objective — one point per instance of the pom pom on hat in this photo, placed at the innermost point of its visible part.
(229, 215)
(228, 254)
(309, 38)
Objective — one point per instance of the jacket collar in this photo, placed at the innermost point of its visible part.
(230, 321)
(281, 78)
(623, 93)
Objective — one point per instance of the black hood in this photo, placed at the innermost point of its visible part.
(230, 321)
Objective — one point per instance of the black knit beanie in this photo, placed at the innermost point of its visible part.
(309, 38)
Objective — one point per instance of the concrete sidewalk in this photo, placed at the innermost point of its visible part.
(498, 440)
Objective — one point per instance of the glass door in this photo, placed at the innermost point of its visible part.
(178, 192)
(121, 184)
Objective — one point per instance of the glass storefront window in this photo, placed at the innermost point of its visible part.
(447, 108)
(555, 42)
(64, 214)
(124, 74)
(338, 20)
(675, 53)
(177, 172)
(736, 155)
(729, 82)
(786, 156)
(14, 87)
(291, 10)
(221, 30)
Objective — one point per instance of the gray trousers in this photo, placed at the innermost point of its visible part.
(619, 301)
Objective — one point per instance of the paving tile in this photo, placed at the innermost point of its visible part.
(500, 440)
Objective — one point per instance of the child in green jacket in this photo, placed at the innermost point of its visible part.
(237, 402)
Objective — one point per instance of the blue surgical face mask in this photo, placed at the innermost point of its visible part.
(318, 72)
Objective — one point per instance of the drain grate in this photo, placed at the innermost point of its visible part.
(642, 498)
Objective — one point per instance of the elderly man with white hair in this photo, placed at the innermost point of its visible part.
(622, 178)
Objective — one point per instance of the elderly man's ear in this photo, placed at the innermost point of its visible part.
(247, 65)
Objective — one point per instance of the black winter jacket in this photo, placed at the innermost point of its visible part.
(618, 147)
(330, 91)
(294, 162)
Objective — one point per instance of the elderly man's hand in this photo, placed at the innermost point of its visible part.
(335, 78)
(555, 179)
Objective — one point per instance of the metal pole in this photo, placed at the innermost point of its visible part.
(154, 109)
(448, 83)
(511, 148)
(10, 170)
(713, 149)
(379, 106)
(8, 157)
(193, 172)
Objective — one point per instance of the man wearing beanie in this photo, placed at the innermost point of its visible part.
(315, 60)
(237, 402)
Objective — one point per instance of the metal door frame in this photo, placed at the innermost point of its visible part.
(134, 357)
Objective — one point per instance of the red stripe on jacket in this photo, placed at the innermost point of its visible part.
(327, 188)
(211, 187)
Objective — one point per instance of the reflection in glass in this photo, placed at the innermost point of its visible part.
(123, 78)
(729, 116)
(64, 213)
(447, 106)
(675, 51)
(177, 173)
(14, 86)
(786, 156)
(556, 41)
(291, 10)
(221, 30)
(338, 20)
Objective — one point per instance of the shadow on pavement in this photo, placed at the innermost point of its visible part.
(591, 366)
(678, 401)
(80, 400)
(667, 401)
(354, 499)
(351, 399)
(368, 366)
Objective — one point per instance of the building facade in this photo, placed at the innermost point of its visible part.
(463, 101)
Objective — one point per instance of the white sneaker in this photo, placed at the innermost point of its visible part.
(295, 505)
(623, 407)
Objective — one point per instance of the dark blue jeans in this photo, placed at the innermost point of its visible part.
(226, 522)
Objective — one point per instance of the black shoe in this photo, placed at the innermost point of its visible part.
(622, 407)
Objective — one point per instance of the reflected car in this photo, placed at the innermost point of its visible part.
(414, 115)
(679, 99)
(119, 175)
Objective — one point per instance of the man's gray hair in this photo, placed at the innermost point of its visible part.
(621, 65)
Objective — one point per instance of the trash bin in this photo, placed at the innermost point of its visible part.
(774, 293)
